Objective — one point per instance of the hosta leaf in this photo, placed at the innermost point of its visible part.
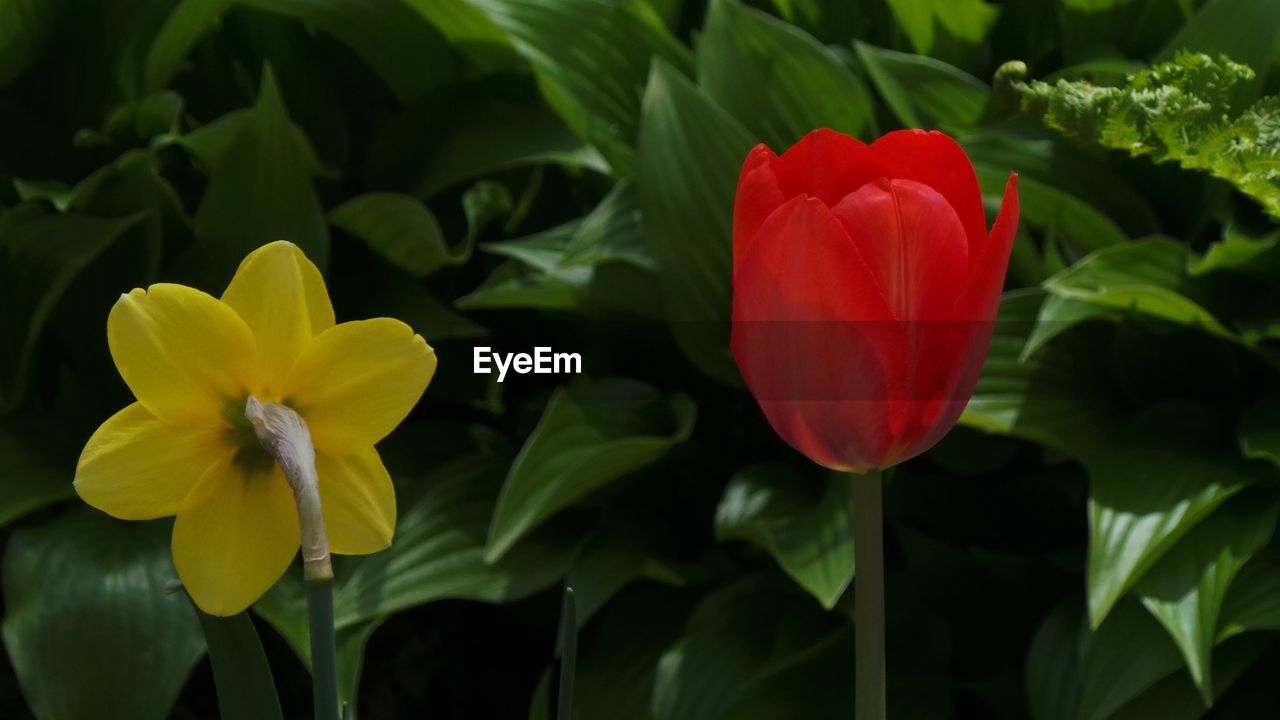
(591, 76)
(803, 522)
(779, 80)
(260, 190)
(1253, 602)
(1129, 653)
(39, 260)
(401, 230)
(243, 678)
(33, 469)
(690, 152)
(1186, 588)
(924, 92)
(1062, 398)
(966, 20)
(86, 614)
(1260, 430)
(1169, 468)
(592, 433)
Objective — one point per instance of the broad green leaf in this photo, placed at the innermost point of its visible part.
(34, 468)
(737, 636)
(1168, 469)
(401, 230)
(923, 92)
(515, 286)
(39, 260)
(1135, 28)
(591, 433)
(1053, 675)
(469, 29)
(803, 522)
(1145, 277)
(1128, 654)
(1062, 398)
(610, 232)
(618, 652)
(260, 190)
(241, 674)
(689, 155)
(1083, 226)
(405, 50)
(1240, 252)
(621, 554)
(25, 28)
(592, 75)
(86, 614)
(425, 150)
(1260, 430)
(1253, 602)
(780, 81)
(1176, 697)
(1186, 588)
(967, 20)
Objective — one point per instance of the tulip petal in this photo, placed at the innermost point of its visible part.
(917, 249)
(235, 535)
(282, 298)
(827, 165)
(758, 196)
(356, 381)
(183, 353)
(977, 311)
(814, 339)
(138, 467)
(358, 500)
(938, 161)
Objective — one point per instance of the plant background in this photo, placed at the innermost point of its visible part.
(1094, 541)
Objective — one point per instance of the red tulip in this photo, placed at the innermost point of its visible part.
(865, 287)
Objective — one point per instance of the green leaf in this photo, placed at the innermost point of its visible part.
(1083, 226)
(1053, 676)
(260, 190)
(401, 230)
(1062, 398)
(1128, 654)
(1260, 430)
(591, 76)
(1176, 698)
(1186, 588)
(967, 20)
(689, 155)
(736, 636)
(592, 433)
(803, 522)
(1238, 251)
(39, 260)
(1179, 111)
(619, 555)
(778, 79)
(1147, 277)
(1253, 602)
(86, 615)
(923, 92)
(423, 151)
(25, 28)
(405, 50)
(240, 670)
(33, 469)
(1169, 468)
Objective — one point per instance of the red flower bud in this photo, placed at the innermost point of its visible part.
(865, 288)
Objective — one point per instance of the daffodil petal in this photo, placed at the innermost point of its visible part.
(281, 296)
(235, 535)
(183, 353)
(356, 381)
(139, 467)
(358, 501)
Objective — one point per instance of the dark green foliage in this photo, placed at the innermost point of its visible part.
(1096, 540)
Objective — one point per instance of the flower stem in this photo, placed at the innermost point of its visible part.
(285, 436)
(868, 596)
(324, 665)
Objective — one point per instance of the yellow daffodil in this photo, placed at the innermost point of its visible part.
(185, 448)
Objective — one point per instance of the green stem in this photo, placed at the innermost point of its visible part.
(868, 596)
(324, 665)
(568, 655)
